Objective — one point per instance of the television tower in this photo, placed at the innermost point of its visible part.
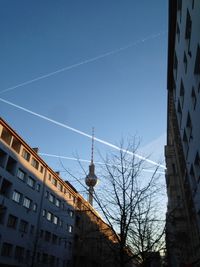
(91, 179)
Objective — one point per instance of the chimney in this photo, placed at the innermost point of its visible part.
(36, 149)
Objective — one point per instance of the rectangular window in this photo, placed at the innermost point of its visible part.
(54, 239)
(47, 236)
(54, 181)
(188, 28)
(49, 216)
(19, 253)
(70, 228)
(23, 226)
(71, 213)
(197, 62)
(3, 210)
(12, 221)
(5, 188)
(60, 187)
(178, 31)
(57, 202)
(194, 98)
(55, 220)
(21, 174)
(32, 229)
(182, 94)
(11, 165)
(6, 136)
(49, 177)
(16, 145)
(44, 213)
(27, 203)
(38, 187)
(185, 62)
(35, 207)
(26, 155)
(35, 163)
(3, 157)
(6, 250)
(41, 169)
(51, 198)
(16, 196)
(31, 182)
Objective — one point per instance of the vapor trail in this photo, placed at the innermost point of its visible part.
(81, 133)
(88, 161)
(153, 36)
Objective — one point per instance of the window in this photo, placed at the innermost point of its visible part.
(16, 196)
(35, 163)
(57, 202)
(2, 158)
(27, 203)
(178, 31)
(19, 253)
(51, 198)
(12, 221)
(70, 228)
(179, 112)
(23, 226)
(38, 187)
(54, 181)
(31, 182)
(189, 126)
(188, 28)
(54, 239)
(25, 155)
(71, 213)
(185, 62)
(6, 250)
(35, 207)
(5, 188)
(21, 174)
(182, 94)
(49, 216)
(60, 187)
(6, 136)
(175, 64)
(197, 62)
(194, 98)
(47, 236)
(16, 145)
(44, 258)
(41, 169)
(55, 220)
(49, 177)
(43, 213)
(32, 229)
(11, 165)
(3, 210)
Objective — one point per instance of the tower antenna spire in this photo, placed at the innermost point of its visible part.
(91, 178)
(92, 152)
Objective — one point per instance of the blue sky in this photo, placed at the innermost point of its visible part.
(120, 94)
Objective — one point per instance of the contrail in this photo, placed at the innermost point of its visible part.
(88, 161)
(153, 36)
(81, 133)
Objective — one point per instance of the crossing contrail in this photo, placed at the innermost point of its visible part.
(153, 36)
(88, 161)
(82, 133)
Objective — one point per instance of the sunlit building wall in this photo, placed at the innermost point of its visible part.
(183, 134)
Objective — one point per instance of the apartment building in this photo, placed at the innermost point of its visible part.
(183, 134)
(37, 207)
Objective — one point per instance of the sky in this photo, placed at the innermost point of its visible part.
(84, 64)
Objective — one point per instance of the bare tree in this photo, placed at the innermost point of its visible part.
(129, 203)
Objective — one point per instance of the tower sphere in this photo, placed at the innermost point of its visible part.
(91, 179)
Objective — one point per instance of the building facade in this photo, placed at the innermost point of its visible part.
(182, 151)
(44, 221)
